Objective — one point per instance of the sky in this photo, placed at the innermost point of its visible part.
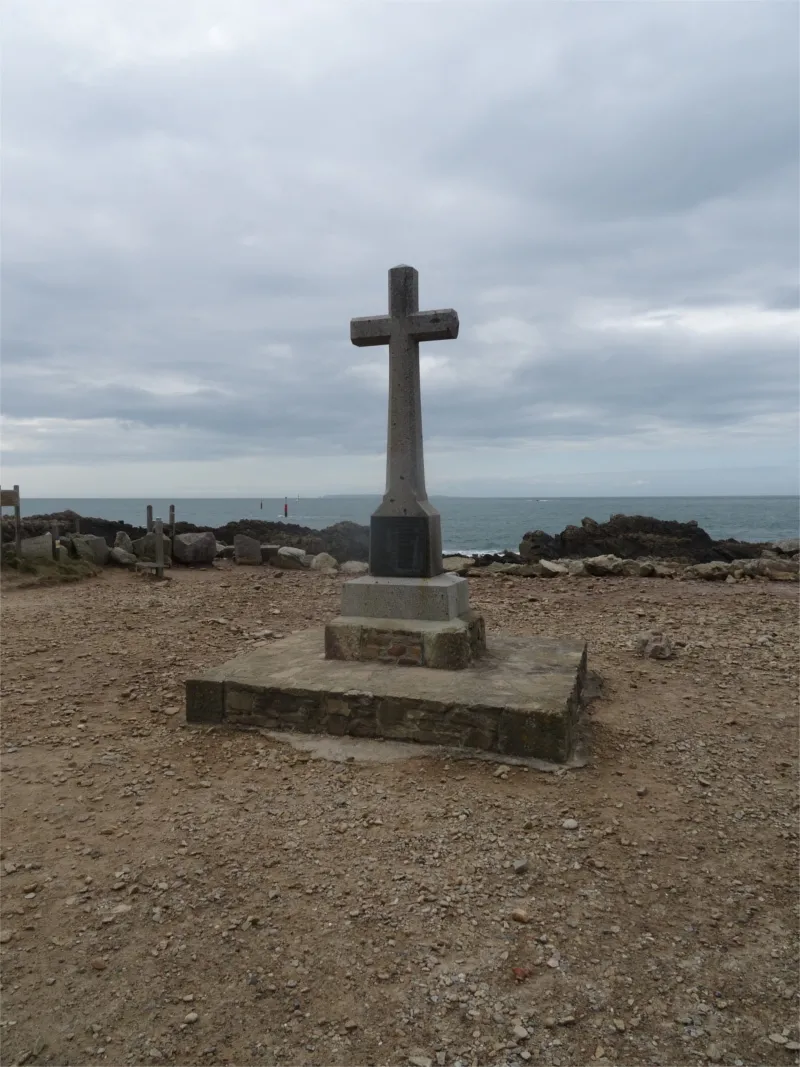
(198, 196)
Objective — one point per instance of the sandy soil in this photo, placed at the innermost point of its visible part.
(198, 896)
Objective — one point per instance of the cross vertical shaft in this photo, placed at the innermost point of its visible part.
(405, 464)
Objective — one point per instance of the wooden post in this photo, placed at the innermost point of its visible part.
(17, 525)
(77, 524)
(149, 517)
(172, 527)
(54, 538)
(159, 529)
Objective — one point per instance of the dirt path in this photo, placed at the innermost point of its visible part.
(201, 897)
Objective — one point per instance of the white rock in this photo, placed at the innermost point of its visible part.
(324, 561)
(353, 568)
(552, 570)
(603, 566)
(570, 824)
(291, 559)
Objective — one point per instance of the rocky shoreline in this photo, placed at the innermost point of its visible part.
(626, 545)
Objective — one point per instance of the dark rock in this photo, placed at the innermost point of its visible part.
(91, 547)
(635, 536)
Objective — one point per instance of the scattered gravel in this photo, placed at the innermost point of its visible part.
(251, 903)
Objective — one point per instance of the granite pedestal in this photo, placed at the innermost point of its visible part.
(521, 698)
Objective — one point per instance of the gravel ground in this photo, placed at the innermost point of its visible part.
(200, 896)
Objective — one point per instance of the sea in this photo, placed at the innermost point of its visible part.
(469, 524)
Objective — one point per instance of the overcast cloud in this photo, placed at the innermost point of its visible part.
(198, 196)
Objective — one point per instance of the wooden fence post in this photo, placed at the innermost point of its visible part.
(149, 518)
(17, 525)
(77, 524)
(159, 529)
(54, 538)
(172, 527)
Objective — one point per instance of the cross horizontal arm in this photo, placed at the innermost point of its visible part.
(433, 325)
(370, 330)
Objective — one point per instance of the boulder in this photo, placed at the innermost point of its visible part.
(527, 570)
(577, 568)
(353, 568)
(603, 566)
(195, 548)
(91, 548)
(346, 541)
(291, 559)
(709, 572)
(457, 564)
(549, 569)
(324, 561)
(637, 568)
(269, 552)
(247, 550)
(123, 541)
(79, 548)
(145, 548)
(536, 545)
(122, 558)
(788, 547)
(224, 551)
(770, 568)
(663, 570)
(654, 645)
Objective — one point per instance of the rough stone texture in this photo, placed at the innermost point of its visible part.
(145, 548)
(122, 540)
(603, 566)
(247, 550)
(522, 699)
(195, 548)
(450, 645)
(788, 547)
(717, 571)
(227, 551)
(122, 558)
(552, 569)
(654, 645)
(324, 561)
(291, 559)
(91, 548)
(37, 547)
(353, 567)
(269, 552)
(633, 536)
(444, 597)
(458, 564)
(405, 511)
(770, 568)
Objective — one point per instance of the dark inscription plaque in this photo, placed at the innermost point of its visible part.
(399, 547)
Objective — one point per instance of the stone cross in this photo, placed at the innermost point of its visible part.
(405, 529)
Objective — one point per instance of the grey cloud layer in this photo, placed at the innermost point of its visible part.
(176, 212)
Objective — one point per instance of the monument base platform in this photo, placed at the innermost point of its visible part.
(522, 698)
(448, 646)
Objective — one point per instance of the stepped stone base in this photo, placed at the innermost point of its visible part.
(449, 646)
(521, 698)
